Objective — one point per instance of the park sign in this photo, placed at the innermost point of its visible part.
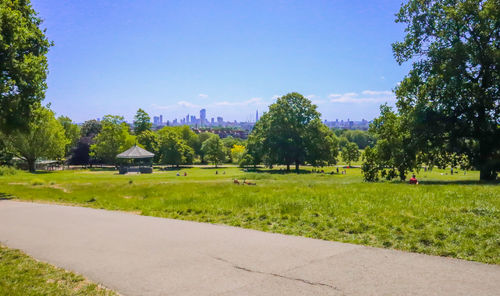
(136, 152)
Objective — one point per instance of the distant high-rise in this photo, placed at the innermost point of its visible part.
(161, 120)
(203, 116)
(187, 118)
(256, 115)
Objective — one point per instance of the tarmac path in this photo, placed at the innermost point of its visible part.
(139, 255)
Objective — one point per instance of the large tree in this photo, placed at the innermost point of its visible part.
(23, 63)
(173, 149)
(283, 135)
(451, 95)
(44, 138)
(214, 149)
(142, 122)
(113, 139)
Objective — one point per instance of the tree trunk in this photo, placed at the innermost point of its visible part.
(297, 166)
(31, 165)
(486, 173)
(287, 167)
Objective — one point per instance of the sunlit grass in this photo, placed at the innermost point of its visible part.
(21, 275)
(445, 215)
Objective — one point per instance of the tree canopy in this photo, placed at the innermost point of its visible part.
(113, 139)
(23, 63)
(451, 96)
(45, 138)
(214, 149)
(72, 132)
(142, 122)
(283, 135)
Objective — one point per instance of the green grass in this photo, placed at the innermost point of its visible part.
(445, 215)
(24, 276)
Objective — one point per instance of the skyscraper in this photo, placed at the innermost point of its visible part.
(203, 116)
(256, 115)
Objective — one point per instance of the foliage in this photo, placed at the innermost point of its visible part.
(71, 131)
(282, 135)
(22, 275)
(370, 166)
(445, 215)
(7, 170)
(237, 153)
(214, 150)
(142, 122)
(202, 137)
(394, 150)
(321, 144)
(44, 138)
(151, 142)
(173, 149)
(6, 154)
(362, 138)
(90, 128)
(113, 139)
(451, 96)
(23, 64)
(350, 153)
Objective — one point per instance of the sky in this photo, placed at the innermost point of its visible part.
(230, 57)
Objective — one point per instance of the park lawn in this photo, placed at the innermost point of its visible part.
(453, 216)
(24, 276)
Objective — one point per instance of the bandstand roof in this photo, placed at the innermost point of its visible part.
(136, 152)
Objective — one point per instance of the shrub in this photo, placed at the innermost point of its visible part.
(36, 182)
(7, 171)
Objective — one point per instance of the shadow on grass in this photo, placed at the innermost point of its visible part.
(459, 182)
(108, 169)
(5, 196)
(279, 172)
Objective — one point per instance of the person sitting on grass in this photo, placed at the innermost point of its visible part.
(413, 180)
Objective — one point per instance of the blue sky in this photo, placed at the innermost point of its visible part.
(230, 57)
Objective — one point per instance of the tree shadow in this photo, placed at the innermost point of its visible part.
(279, 172)
(459, 182)
(5, 196)
(102, 169)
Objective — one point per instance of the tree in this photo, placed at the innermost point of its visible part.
(237, 153)
(202, 137)
(173, 150)
(370, 167)
(151, 142)
(90, 128)
(283, 135)
(23, 64)
(113, 139)
(452, 93)
(322, 144)
(214, 150)
(362, 138)
(142, 122)
(44, 138)
(72, 132)
(350, 153)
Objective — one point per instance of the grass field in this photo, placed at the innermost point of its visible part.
(21, 275)
(445, 215)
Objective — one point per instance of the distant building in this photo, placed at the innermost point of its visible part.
(203, 116)
(212, 121)
(220, 120)
(256, 115)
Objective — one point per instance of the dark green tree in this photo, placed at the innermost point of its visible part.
(451, 96)
(72, 132)
(350, 153)
(142, 122)
(173, 149)
(214, 150)
(113, 139)
(90, 128)
(151, 142)
(23, 63)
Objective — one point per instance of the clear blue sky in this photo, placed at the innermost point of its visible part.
(231, 57)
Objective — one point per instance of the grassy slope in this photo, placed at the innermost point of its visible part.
(22, 275)
(445, 215)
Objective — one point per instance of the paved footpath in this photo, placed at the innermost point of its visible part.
(137, 255)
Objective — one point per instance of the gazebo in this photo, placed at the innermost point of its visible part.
(139, 160)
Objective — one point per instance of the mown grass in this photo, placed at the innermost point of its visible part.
(21, 275)
(445, 215)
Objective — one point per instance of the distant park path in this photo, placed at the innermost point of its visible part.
(138, 255)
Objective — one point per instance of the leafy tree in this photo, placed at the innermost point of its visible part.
(44, 138)
(151, 142)
(142, 122)
(202, 137)
(23, 64)
(72, 132)
(322, 144)
(350, 153)
(90, 128)
(6, 155)
(237, 153)
(370, 166)
(113, 139)
(362, 138)
(395, 149)
(214, 150)
(173, 149)
(229, 143)
(282, 135)
(451, 95)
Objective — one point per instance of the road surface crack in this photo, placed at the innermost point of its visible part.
(278, 275)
